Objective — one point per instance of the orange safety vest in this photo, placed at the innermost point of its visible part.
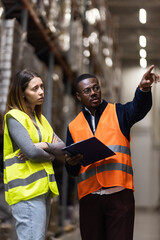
(113, 171)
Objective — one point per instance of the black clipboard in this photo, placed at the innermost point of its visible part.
(92, 149)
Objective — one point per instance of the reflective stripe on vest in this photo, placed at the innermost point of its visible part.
(26, 181)
(120, 149)
(9, 162)
(105, 167)
(32, 178)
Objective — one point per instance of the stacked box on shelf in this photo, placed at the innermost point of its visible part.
(58, 101)
(11, 47)
(45, 8)
(53, 14)
(16, 55)
(1, 34)
(15, 37)
(41, 9)
(1, 17)
(1, 25)
(75, 56)
(31, 61)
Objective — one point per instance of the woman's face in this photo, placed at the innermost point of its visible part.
(34, 93)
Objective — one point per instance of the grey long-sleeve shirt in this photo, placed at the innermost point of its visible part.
(21, 140)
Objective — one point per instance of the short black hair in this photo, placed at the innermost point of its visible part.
(82, 77)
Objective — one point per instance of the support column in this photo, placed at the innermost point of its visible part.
(47, 107)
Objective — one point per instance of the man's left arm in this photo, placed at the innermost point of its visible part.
(134, 111)
(142, 101)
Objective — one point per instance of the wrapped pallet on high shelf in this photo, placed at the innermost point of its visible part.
(31, 61)
(75, 56)
(1, 34)
(47, 11)
(11, 50)
(16, 55)
(1, 24)
(53, 13)
(106, 53)
(58, 91)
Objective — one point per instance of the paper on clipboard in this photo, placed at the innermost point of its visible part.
(92, 149)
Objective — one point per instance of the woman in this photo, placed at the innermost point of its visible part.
(30, 146)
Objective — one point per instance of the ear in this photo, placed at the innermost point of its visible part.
(78, 96)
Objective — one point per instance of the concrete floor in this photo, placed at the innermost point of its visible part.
(147, 227)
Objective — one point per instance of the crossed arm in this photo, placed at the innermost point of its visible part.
(36, 152)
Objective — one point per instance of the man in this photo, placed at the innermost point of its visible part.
(105, 188)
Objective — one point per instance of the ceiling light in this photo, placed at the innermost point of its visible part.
(86, 53)
(1, 11)
(64, 41)
(92, 15)
(55, 77)
(106, 51)
(142, 41)
(143, 62)
(108, 62)
(86, 42)
(142, 53)
(142, 16)
(93, 38)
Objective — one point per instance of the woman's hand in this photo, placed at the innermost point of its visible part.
(42, 145)
(22, 156)
(55, 139)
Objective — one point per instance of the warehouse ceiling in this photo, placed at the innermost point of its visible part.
(126, 21)
(125, 14)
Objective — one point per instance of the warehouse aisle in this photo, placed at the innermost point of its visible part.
(147, 227)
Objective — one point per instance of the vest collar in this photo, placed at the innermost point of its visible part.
(99, 110)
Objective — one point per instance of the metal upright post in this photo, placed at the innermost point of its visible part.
(65, 175)
(24, 19)
(47, 107)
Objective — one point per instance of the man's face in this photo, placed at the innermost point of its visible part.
(89, 93)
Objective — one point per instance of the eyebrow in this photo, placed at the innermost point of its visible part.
(96, 84)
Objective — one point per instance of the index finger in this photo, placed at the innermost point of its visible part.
(149, 70)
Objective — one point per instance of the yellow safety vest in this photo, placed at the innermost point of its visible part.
(24, 180)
